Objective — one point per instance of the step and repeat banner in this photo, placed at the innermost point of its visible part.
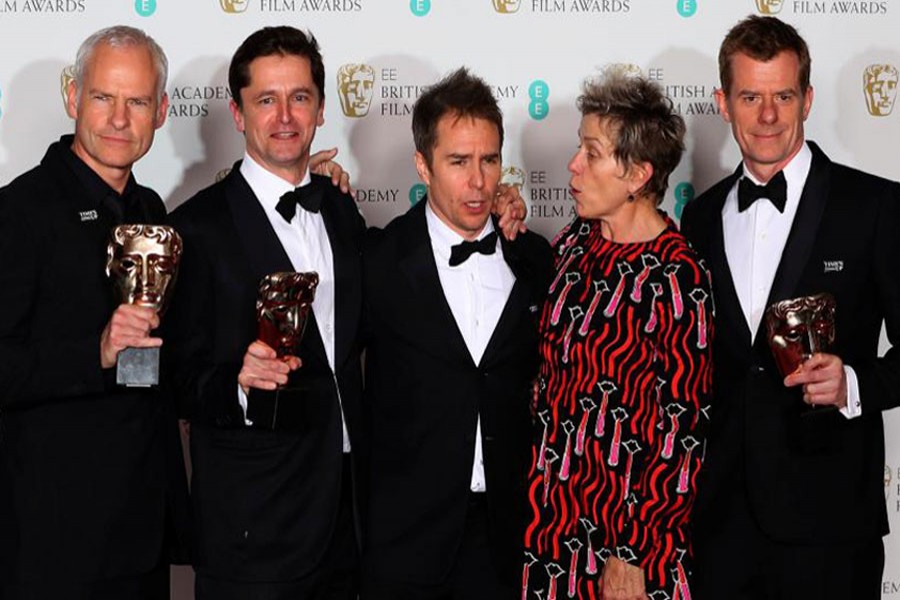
(381, 54)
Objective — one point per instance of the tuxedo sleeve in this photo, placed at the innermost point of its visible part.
(879, 379)
(205, 387)
(31, 370)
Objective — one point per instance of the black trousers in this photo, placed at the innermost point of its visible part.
(336, 578)
(473, 576)
(148, 586)
(737, 561)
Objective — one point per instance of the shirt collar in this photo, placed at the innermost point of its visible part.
(95, 186)
(795, 173)
(443, 237)
(267, 186)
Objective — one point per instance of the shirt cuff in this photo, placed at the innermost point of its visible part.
(242, 400)
(854, 406)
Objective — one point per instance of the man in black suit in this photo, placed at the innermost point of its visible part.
(451, 354)
(91, 473)
(273, 492)
(791, 504)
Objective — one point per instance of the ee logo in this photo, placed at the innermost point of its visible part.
(420, 8)
(538, 92)
(416, 193)
(686, 8)
(684, 193)
(145, 8)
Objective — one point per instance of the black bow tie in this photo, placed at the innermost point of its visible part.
(307, 197)
(775, 191)
(462, 251)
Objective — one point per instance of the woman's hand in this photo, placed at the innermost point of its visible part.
(621, 581)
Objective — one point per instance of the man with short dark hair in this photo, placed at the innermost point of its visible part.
(791, 501)
(91, 474)
(274, 500)
(451, 316)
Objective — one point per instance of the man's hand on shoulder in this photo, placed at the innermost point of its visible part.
(323, 163)
(510, 207)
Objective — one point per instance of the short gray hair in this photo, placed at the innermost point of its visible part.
(119, 36)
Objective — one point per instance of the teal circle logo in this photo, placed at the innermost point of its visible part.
(684, 193)
(538, 92)
(420, 8)
(416, 193)
(686, 8)
(145, 8)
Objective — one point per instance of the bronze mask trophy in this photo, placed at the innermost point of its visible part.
(282, 308)
(798, 328)
(142, 261)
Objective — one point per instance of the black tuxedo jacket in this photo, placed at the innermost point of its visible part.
(91, 473)
(817, 477)
(424, 394)
(265, 502)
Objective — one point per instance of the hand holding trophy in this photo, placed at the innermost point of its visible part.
(142, 261)
(798, 328)
(282, 310)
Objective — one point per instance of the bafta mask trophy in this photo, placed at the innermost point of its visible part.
(880, 88)
(142, 261)
(283, 303)
(798, 328)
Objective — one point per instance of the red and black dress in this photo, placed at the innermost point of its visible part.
(621, 415)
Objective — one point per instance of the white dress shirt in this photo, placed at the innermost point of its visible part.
(754, 242)
(477, 291)
(306, 243)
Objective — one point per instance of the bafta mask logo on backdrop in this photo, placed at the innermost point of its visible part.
(420, 8)
(769, 7)
(234, 6)
(356, 85)
(880, 89)
(507, 6)
(66, 77)
(626, 69)
(145, 8)
(513, 176)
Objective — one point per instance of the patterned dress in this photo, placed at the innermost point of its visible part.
(621, 415)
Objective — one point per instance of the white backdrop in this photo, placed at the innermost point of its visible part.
(535, 53)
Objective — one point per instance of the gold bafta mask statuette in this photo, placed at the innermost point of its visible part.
(142, 262)
(282, 306)
(880, 88)
(798, 328)
(356, 85)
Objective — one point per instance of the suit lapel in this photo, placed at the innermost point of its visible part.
(802, 237)
(261, 246)
(347, 275)
(519, 297)
(728, 306)
(437, 322)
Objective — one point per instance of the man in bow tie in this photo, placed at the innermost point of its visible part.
(791, 503)
(451, 351)
(275, 478)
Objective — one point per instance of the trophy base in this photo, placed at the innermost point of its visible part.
(138, 367)
(303, 404)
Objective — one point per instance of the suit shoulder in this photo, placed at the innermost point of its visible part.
(205, 202)
(30, 190)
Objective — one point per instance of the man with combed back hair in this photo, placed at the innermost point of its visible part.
(791, 501)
